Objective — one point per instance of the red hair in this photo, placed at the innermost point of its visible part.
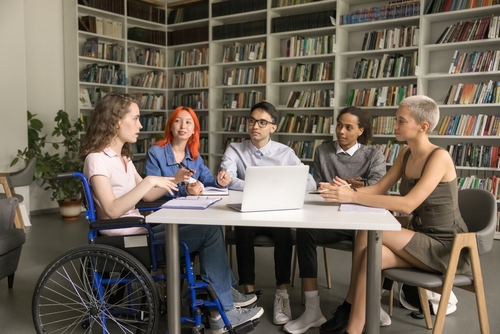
(193, 143)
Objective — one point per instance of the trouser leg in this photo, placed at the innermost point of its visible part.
(283, 248)
(245, 254)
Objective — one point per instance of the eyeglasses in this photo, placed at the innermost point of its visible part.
(262, 122)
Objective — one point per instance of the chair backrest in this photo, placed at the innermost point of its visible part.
(23, 177)
(7, 212)
(479, 209)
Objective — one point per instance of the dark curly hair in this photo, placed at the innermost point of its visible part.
(103, 124)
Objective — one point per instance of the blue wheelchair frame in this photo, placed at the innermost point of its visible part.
(193, 286)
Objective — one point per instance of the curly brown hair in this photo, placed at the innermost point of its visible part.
(103, 124)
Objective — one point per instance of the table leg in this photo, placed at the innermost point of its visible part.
(374, 257)
(173, 278)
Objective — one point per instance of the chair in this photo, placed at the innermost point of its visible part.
(259, 241)
(11, 240)
(344, 245)
(479, 209)
(107, 286)
(21, 178)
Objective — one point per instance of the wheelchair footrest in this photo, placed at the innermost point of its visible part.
(246, 327)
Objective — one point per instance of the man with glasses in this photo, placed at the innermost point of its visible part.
(260, 150)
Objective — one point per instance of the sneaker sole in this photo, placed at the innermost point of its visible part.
(245, 303)
(223, 330)
(282, 322)
(317, 323)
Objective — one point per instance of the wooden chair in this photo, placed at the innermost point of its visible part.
(21, 178)
(479, 209)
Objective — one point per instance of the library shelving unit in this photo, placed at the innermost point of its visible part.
(309, 59)
(117, 49)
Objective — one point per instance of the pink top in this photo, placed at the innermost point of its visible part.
(109, 164)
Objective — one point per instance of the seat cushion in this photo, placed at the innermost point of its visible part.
(11, 239)
(423, 279)
(19, 197)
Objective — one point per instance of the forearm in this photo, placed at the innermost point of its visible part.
(369, 197)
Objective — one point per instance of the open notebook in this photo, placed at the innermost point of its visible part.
(191, 202)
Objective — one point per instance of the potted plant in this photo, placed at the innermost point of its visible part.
(66, 136)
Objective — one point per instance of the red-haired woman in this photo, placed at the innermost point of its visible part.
(177, 155)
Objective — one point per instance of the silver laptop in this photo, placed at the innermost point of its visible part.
(270, 188)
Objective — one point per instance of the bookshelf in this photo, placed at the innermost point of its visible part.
(310, 60)
(125, 46)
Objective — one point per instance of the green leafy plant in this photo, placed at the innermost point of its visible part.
(67, 143)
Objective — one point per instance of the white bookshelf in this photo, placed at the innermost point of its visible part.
(431, 76)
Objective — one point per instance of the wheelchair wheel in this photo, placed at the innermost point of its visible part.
(95, 289)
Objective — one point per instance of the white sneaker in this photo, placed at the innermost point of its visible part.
(312, 317)
(282, 312)
(237, 316)
(385, 319)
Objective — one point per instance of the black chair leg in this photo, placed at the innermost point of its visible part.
(10, 280)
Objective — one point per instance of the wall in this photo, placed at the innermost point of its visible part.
(32, 30)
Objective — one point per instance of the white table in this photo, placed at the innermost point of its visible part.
(316, 213)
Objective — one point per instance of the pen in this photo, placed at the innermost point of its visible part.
(181, 164)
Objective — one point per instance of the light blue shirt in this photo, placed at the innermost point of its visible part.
(239, 156)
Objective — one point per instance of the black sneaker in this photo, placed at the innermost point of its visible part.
(337, 323)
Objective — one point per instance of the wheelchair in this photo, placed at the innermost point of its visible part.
(107, 286)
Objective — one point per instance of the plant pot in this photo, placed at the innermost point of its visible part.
(70, 209)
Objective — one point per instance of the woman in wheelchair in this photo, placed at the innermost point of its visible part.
(117, 186)
(177, 155)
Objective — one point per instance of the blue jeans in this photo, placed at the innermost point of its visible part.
(209, 242)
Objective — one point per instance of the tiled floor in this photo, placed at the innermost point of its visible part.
(49, 236)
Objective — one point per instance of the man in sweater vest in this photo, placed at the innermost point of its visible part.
(350, 159)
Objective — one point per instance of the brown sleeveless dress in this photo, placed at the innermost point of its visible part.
(436, 220)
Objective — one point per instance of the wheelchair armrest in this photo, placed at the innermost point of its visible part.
(123, 222)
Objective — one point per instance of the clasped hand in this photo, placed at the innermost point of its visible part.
(336, 191)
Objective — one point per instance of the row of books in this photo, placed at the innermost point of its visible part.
(150, 79)
(149, 56)
(112, 6)
(196, 11)
(391, 38)
(304, 149)
(188, 36)
(88, 97)
(299, 46)
(140, 166)
(382, 125)
(380, 96)
(105, 74)
(235, 30)
(390, 150)
(470, 155)
(245, 76)
(388, 66)
(475, 61)
(395, 10)
(149, 36)
(145, 11)
(474, 93)
(470, 125)
(203, 120)
(150, 101)
(244, 52)
(230, 7)
(439, 6)
(490, 184)
(284, 3)
(312, 98)
(153, 122)
(192, 79)
(242, 100)
(196, 56)
(192, 100)
(314, 20)
(467, 31)
(100, 26)
(230, 140)
(234, 123)
(307, 72)
(204, 146)
(305, 124)
(92, 48)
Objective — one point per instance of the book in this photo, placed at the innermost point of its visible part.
(191, 202)
(214, 191)
(84, 98)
